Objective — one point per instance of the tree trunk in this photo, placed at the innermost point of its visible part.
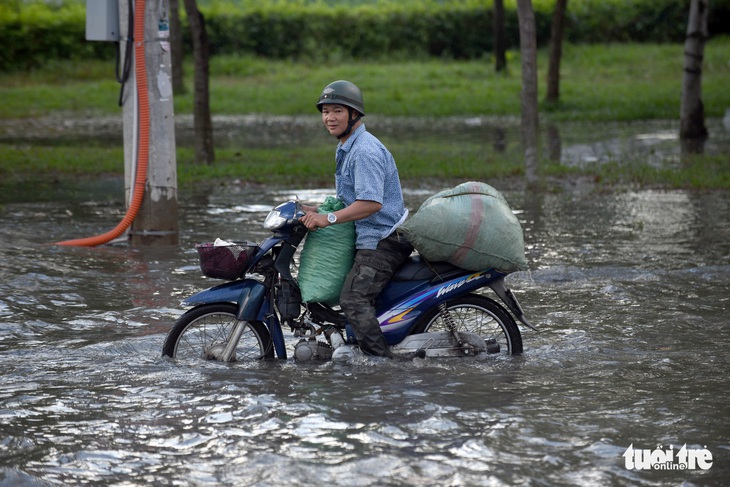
(528, 53)
(176, 48)
(556, 51)
(692, 112)
(204, 151)
(500, 38)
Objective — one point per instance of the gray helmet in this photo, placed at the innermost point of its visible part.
(342, 93)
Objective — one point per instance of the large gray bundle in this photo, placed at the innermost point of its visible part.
(470, 226)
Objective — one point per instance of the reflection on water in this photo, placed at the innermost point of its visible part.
(630, 290)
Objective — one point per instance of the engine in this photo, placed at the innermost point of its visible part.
(312, 349)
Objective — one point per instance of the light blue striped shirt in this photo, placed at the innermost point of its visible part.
(366, 171)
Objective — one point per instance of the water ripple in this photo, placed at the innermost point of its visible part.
(630, 292)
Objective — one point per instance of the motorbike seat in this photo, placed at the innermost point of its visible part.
(416, 268)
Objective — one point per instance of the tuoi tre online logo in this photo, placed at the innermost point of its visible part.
(661, 459)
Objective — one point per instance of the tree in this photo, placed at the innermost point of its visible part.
(204, 151)
(556, 51)
(528, 53)
(176, 48)
(692, 111)
(500, 38)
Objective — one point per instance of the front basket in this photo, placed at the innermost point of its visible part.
(225, 261)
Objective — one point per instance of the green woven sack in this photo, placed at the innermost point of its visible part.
(327, 258)
(470, 226)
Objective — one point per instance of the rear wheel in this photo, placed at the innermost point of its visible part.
(203, 332)
(476, 314)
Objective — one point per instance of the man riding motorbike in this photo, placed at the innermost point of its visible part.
(367, 182)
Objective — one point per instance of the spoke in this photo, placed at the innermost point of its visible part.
(214, 330)
(474, 319)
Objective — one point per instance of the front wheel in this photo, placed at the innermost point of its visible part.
(477, 314)
(203, 332)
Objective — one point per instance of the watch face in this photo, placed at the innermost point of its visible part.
(331, 217)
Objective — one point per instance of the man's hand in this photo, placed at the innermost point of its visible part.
(313, 220)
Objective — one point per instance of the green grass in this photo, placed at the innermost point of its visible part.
(428, 162)
(28, 161)
(696, 172)
(600, 83)
(420, 163)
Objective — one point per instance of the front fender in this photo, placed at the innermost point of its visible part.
(248, 294)
(227, 292)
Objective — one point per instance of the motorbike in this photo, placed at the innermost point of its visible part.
(428, 309)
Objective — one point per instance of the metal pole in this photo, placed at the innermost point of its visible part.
(156, 223)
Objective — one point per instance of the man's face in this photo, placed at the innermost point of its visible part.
(335, 118)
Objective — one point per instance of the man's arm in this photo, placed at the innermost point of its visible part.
(357, 211)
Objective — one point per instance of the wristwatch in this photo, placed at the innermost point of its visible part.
(331, 218)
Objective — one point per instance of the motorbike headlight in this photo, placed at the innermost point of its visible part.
(274, 220)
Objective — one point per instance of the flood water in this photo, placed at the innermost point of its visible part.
(630, 290)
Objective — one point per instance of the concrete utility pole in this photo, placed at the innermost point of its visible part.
(156, 223)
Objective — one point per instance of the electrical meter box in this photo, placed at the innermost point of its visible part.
(102, 20)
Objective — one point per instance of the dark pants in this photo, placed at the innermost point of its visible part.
(369, 275)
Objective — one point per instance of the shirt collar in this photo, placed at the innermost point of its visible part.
(351, 140)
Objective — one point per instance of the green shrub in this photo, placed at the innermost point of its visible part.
(623, 21)
(32, 32)
(39, 32)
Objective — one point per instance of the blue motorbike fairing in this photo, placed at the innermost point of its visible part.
(248, 294)
(264, 247)
(397, 321)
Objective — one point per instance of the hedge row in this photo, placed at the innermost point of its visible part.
(366, 32)
(39, 32)
(36, 32)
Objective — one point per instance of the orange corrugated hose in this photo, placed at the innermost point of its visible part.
(140, 74)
